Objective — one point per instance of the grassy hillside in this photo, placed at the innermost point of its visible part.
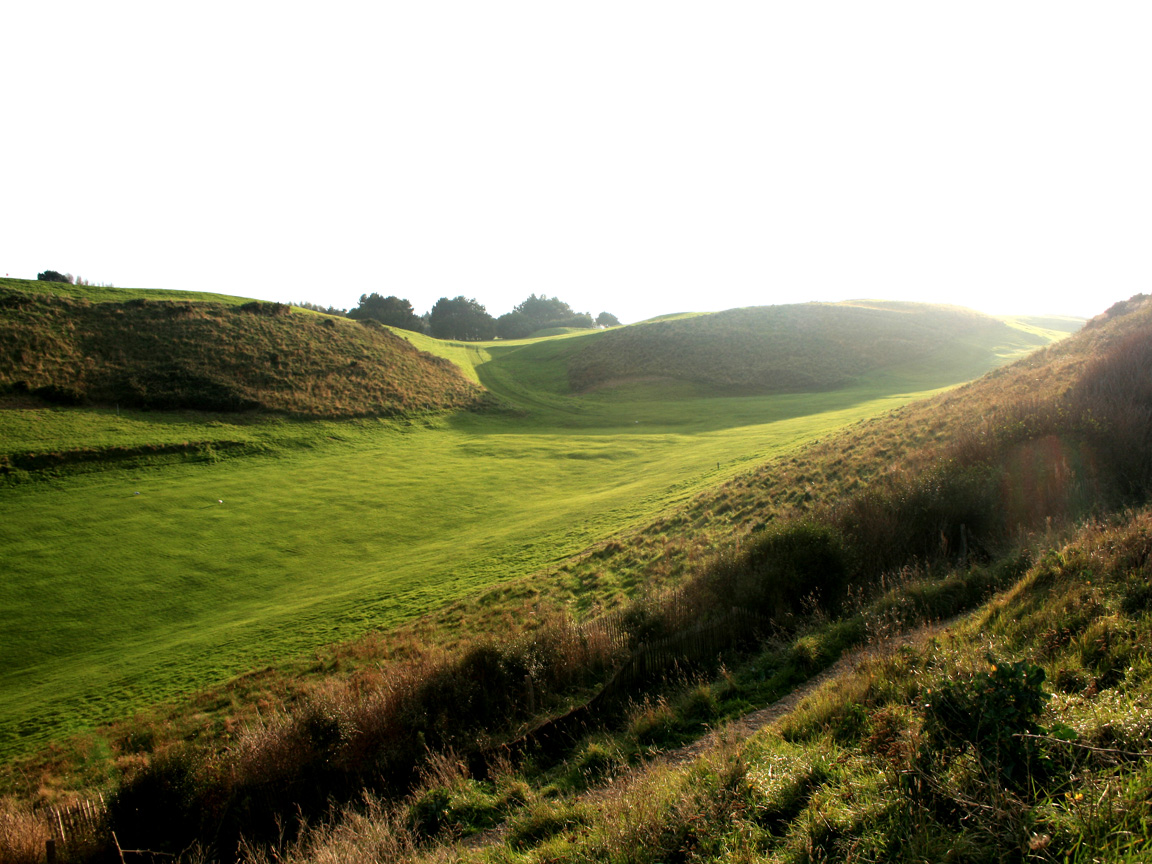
(880, 763)
(797, 348)
(984, 501)
(100, 294)
(327, 529)
(164, 355)
(656, 368)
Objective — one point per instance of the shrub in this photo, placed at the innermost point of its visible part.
(990, 713)
(789, 565)
(159, 808)
(60, 394)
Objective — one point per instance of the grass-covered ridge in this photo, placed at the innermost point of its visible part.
(798, 348)
(167, 354)
(107, 294)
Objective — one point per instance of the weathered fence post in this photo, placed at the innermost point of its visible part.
(50, 851)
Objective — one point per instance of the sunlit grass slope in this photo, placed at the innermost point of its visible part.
(112, 600)
(211, 356)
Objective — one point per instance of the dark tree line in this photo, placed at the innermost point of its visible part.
(466, 319)
(540, 313)
(69, 279)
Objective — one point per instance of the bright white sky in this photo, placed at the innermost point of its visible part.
(635, 157)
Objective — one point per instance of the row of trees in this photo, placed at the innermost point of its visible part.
(68, 278)
(467, 320)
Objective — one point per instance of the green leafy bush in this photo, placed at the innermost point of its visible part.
(991, 713)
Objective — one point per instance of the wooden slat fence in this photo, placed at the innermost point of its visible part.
(83, 824)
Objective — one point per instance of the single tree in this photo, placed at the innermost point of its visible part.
(392, 311)
(461, 318)
(607, 319)
(542, 311)
(53, 276)
(539, 313)
(513, 325)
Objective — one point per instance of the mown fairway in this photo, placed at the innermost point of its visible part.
(112, 600)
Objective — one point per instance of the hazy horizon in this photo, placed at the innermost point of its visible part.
(636, 158)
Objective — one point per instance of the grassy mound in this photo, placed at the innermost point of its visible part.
(162, 355)
(795, 348)
(109, 294)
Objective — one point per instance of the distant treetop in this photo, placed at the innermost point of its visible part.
(461, 318)
(392, 310)
(53, 276)
(539, 313)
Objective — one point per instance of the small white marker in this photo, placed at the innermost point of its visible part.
(137, 493)
(220, 500)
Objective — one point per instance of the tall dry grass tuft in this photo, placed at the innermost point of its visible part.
(23, 834)
(373, 830)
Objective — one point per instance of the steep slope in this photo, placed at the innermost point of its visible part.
(795, 348)
(211, 356)
(905, 442)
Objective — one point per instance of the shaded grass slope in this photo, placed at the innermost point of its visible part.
(792, 348)
(163, 355)
(900, 444)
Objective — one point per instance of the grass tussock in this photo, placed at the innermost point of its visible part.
(377, 730)
(23, 834)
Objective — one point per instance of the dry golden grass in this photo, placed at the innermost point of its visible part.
(168, 354)
(23, 834)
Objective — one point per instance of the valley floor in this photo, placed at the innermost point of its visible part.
(131, 586)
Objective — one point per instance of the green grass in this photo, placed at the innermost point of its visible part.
(795, 348)
(113, 601)
(98, 294)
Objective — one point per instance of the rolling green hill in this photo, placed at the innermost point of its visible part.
(797, 348)
(651, 372)
(209, 356)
